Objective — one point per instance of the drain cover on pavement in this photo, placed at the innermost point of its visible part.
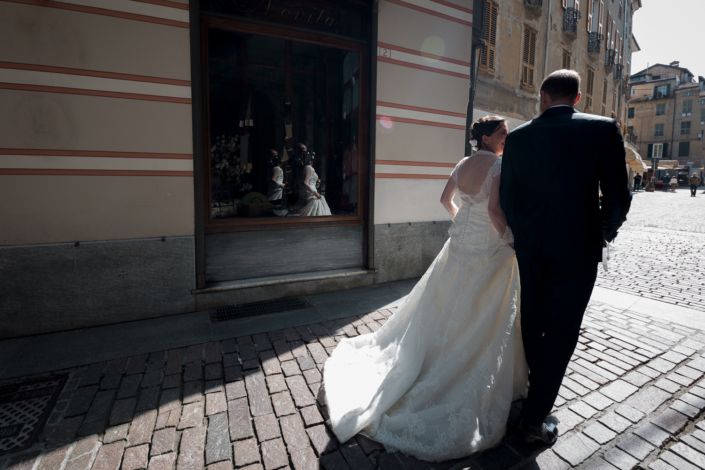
(24, 408)
(230, 312)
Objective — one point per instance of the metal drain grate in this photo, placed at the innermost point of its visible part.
(231, 312)
(24, 408)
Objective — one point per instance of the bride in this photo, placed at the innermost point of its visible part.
(438, 379)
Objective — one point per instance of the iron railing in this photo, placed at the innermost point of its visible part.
(594, 42)
(609, 59)
(570, 20)
(618, 71)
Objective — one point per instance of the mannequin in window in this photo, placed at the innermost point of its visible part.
(315, 202)
(276, 181)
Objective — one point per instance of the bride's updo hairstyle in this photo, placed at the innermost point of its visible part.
(486, 125)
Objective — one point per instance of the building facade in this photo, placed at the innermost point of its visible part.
(171, 156)
(528, 39)
(522, 41)
(666, 115)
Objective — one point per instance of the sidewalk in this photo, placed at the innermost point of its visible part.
(184, 392)
(634, 393)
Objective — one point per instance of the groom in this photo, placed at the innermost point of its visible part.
(553, 171)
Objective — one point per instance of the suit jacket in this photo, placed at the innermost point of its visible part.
(553, 170)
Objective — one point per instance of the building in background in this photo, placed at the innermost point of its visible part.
(666, 116)
(525, 40)
(168, 157)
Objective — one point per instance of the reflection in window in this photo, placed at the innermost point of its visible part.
(283, 127)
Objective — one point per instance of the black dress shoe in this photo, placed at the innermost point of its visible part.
(545, 433)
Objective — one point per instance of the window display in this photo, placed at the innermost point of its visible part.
(283, 127)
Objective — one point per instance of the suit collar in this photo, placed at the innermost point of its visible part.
(558, 111)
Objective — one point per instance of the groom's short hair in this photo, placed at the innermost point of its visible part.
(562, 83)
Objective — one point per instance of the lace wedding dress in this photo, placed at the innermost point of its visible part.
(436, 381)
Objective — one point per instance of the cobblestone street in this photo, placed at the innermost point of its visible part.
(659, 252)
(634, 394)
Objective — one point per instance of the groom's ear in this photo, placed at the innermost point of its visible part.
(577, 99)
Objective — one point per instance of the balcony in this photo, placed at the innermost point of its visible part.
(609, 59)
(533, 3)
(570, 20)
(594, 42)
(618, 71)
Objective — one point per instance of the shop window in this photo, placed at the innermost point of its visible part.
(284, 127)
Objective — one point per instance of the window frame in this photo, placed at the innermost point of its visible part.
(687, 108)
(659, 146)
(658, 129)
(528, 57)
(685, 128)
(684, 145)
(589, 88)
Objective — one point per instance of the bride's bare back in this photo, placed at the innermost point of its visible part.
(471, 172)
(472, 177)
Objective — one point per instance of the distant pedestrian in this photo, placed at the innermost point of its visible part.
(665, 180)
(673, 183)
(694, 183)
(637, 182)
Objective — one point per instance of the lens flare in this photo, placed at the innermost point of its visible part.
(433, 46)
(386, 122)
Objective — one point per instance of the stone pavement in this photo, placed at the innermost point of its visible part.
(633, 397)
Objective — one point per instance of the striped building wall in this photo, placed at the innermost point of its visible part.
(423, 66)
(423, 81)
(96, 165)
(95, 103)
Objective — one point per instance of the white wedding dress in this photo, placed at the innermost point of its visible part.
(315, 205)
(437, 380)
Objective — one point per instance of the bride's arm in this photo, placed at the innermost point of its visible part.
(308, 172)
(499, 220)
(447, 197)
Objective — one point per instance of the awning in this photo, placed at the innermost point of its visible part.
(665, 164)
(634, 160)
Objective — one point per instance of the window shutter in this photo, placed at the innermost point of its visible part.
(493, 35)
(650, 151)
(528, 58)
(665, 150)
(609, 32)
(591, 4)
(600, 16)
(487, 54)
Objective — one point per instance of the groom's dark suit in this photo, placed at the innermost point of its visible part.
(553, 170)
